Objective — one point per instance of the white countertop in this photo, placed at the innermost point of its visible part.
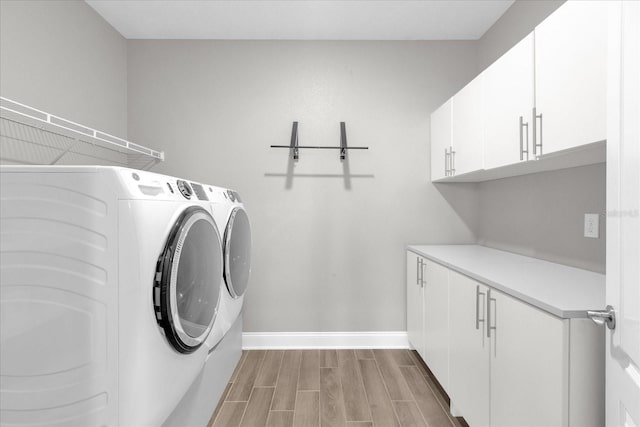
(563, 291)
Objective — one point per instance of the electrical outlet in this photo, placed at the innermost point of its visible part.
(592, 226)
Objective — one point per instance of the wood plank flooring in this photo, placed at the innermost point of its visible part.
(333, 388)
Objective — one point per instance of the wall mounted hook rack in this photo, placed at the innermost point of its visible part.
(294, 146)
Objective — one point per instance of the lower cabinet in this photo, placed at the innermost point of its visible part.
(503, 362)
(470, 374)
(508, 359)
(529, 364)
(427, 315)
(415, 302)
(436, 321)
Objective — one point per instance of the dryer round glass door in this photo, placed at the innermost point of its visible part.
(189, 279)
(237, 252)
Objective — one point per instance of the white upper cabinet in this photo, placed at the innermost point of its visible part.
(440, 141)
(507, 109)
(467, 129)
(570, 76)
(546, 95)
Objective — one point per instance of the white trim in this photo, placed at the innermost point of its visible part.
(294, 340)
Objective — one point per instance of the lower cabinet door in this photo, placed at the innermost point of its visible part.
(529, 364)
(415, 302)
(436, 321)
(469, 350)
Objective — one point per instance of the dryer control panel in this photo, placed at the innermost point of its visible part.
(152, 185)
(233, 196)
(184, 188)
(189, 189)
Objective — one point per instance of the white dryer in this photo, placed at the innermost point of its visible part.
(232, 217)
(110, 283)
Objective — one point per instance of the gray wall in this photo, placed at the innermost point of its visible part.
(542, 215)
(63, 58)
(329, 237)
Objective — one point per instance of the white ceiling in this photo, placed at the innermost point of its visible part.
(302, 19)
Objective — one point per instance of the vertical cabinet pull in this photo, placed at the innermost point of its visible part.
(524, 133)
(424, 267)
(418, 270)
(535, 135)
(446, 162)
(452, 155)
(478, 319)
(449, 162)
(489, 326)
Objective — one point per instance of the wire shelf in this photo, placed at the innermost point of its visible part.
(34, 137)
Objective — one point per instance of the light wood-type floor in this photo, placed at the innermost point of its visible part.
(326, 388)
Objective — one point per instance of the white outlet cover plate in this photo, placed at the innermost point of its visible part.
(592, 226)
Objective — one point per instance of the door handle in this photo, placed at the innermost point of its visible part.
(418, 270)
(603, 317)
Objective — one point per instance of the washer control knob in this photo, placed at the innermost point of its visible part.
(185, 188)
(231, 195)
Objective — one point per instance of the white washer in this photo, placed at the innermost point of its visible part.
(110, 283)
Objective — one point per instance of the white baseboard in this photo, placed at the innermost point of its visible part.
(298, 340)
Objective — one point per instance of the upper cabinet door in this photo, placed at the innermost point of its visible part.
(507, 106)
(440, 140)
(570, 76)
(467, 129)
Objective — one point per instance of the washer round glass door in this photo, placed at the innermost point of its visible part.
(237, 252)
(188, 280)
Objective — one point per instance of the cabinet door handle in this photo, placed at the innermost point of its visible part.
(453, 161)
(524, 147)
(478, 319)
(535, 133)
(489, 327)
(424, 267)
(418, 269)
(446, 162)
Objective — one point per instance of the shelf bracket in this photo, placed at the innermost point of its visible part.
(294, 141)
(61, 155)
(343, 140)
